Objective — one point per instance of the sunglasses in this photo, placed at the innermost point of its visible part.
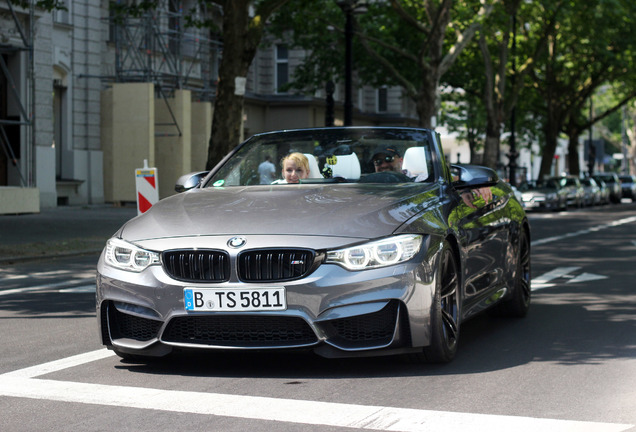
(380, 161)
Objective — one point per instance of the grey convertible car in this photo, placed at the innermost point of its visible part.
(378, 246)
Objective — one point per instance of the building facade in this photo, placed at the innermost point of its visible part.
(87, 95)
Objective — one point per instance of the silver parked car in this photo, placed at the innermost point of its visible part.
(613, 183)
(544, 195)
(591, 191)
(575, 192)
(604, 190)
(368, 242)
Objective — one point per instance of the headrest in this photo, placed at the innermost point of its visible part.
(415, 162)
(314, 171)
(346, 166)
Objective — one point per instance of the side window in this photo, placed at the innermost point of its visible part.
(382, 100)
(282, 67)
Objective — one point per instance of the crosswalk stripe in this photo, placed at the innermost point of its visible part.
(596, 228)
(22, 383)
(289, 410)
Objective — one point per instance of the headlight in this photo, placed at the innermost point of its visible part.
(126, 256)
(551, 196)
(379, 253)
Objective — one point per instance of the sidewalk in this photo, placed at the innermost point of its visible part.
(60, 231)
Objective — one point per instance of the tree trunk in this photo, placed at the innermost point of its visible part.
(426, 102)
(491, 146)
(228, 105)
(241, 37)
(493, 93)
(226, 123)
(551, 132)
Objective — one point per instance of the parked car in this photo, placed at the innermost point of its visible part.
(604, 191)
(346, 262)
(613, 183)
(546, 195)
(591, 191)
(628, 186)
(574, 190)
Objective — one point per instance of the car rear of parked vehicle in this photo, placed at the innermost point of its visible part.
(628, 186)
(613, 183)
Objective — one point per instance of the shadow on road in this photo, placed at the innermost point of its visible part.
(53, 304)
(569, 327)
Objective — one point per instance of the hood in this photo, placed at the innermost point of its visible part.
(349, 210)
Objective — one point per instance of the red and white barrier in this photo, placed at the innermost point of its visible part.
(147, 182)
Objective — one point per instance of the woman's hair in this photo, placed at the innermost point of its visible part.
(298, 158)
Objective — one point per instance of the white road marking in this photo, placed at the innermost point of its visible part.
(538, 286)
(289, 410)
(585, 231)
(79, 289)
(58, 365)
(47, 287)
(586, 277)
(15, 277)
(544, 280)
(75, 274)
(22, 383)
(555, 274)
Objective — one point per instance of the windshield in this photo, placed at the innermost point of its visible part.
(607, 179)
(368, 155)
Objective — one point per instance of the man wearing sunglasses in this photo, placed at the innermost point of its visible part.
(387, 159)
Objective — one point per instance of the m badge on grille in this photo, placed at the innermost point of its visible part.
(236, 242)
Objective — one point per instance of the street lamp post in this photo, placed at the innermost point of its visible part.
(348, 102)
(329, 110)
(349, 7)
(512, 156)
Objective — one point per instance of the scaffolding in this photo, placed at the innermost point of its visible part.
(159, 47)
(13, 124)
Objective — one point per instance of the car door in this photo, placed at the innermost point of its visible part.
(485, 240)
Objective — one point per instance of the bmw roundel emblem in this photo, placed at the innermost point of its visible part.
(236, 242)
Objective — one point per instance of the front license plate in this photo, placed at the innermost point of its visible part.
(259, 299)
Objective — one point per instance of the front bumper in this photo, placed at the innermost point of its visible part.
(333, 311)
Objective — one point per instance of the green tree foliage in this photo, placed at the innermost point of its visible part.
(590, 47)
(407, 43)
(618, 127)
(463, 114)
(494, 70)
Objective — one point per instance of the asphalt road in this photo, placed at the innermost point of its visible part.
(569, 365)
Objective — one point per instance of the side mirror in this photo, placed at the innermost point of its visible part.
(189, 181)
(473, 176)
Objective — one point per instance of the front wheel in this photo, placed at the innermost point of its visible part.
(444, 312)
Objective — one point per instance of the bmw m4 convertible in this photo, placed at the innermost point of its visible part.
(350, 241)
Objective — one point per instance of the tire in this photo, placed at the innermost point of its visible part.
(518, 304)
(444, 312)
